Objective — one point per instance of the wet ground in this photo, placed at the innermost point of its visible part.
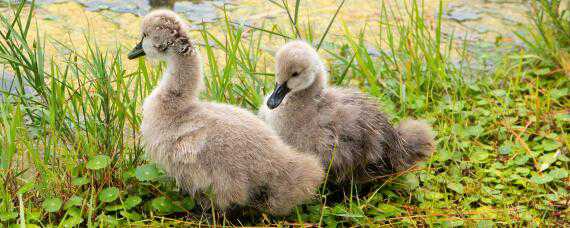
(115, 23)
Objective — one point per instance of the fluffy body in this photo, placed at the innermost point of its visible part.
(342, 126)
(216, 147)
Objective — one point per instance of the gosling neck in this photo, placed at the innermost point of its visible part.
(183, 79)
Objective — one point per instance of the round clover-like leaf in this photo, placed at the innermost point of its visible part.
(147, 172)
(109, 194)
(98, 162)
(79, 181)
(52, 205)
(162, 205)
(132, 201)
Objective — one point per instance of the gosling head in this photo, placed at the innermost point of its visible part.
(297, 67)
(163, 34)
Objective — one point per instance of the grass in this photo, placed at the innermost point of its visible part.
(71, 153)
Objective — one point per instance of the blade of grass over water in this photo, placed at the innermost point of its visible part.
(329, 25)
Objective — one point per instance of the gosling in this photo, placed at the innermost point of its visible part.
(215, 149)
(343, 127)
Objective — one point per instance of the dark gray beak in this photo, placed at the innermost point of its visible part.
(137, 51)
(277, 96)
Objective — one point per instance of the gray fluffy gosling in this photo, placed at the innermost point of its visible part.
(338, 124)
(210, 147)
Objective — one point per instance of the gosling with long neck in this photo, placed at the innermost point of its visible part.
(210, 147)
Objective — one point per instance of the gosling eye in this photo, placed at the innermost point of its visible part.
(295, 74)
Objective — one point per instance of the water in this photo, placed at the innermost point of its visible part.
(486, 25)
(9, 85)
(195, 10)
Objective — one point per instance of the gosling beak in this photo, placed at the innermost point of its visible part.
(137, 51)
(277, 96)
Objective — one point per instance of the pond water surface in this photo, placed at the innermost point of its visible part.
(115, 23)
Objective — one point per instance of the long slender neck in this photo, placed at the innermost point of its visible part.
(182, 81)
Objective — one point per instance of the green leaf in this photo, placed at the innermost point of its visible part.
(453, 223)
(52, 205)
(556, 94)
(550, 145)
(479, 156)
(7, 216)
(133, 216)
(71, 221)
(188, 203)
(457, 187)
(433, 195)
(73, 201)
(34, 215)
(563, 117)
(388, 209)
(541, 179)
(98, 162)
(28, 225)
(108, 220)
(114, 207)
(411, 181)
(25, 188)
(147, 172)
(499, 93)
(162, 205)
(132, 201)
(79, 181)
(74, 211)
(109, 194)
(546, 160)
(542, 71)
(474, 131)
(558, 174)
(127, 175)
(523, 170)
